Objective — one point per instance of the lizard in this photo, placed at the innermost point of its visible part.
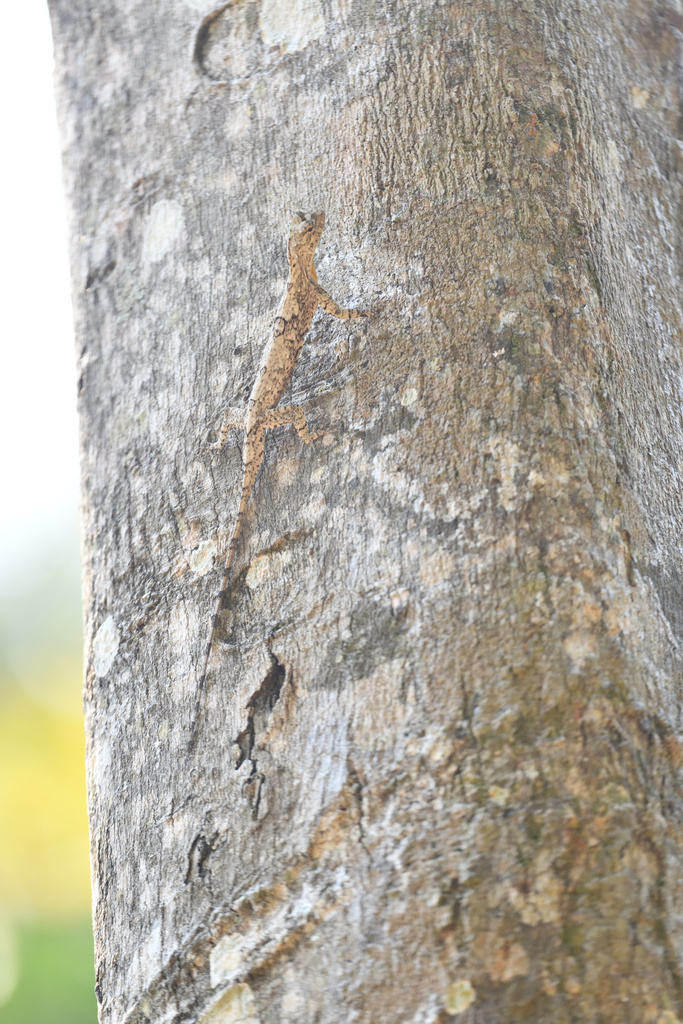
(300, 301)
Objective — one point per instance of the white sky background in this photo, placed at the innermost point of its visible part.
(38, 430)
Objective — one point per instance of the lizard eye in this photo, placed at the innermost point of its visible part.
(301, 224)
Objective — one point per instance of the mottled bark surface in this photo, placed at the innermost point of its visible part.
(439, 773)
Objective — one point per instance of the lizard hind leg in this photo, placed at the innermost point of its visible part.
(286, 415)
(232, 418)
(328, 305)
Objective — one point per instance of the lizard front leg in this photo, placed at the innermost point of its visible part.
(330, 306)
(286, 414)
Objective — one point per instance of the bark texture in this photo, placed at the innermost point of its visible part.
(439, 773)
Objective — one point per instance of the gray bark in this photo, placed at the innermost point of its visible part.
(439, 772)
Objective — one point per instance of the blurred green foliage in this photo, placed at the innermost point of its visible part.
(46, 956)
(55, 979)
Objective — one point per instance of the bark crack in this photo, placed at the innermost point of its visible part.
(259, 708)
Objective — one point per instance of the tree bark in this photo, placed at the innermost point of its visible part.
(438, 773)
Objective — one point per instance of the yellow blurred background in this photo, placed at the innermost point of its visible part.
(46, 959)
(46, 955)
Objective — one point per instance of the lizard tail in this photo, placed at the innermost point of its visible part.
(225, 582)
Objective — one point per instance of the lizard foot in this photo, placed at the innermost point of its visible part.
(209, 449)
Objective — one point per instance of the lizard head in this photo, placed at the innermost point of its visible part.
(305, 234)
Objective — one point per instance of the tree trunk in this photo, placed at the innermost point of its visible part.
(438, 769)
